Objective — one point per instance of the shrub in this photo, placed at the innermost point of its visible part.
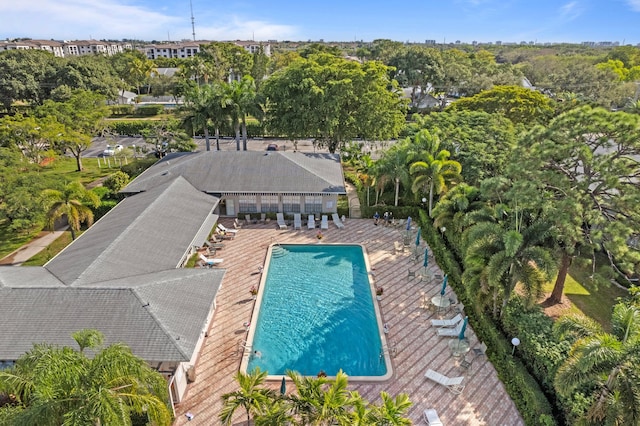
(120, 110)
(129, 127)
(134, 168)
(116, 181)
(149, 110)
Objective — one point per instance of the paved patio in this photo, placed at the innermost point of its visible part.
(484, 400)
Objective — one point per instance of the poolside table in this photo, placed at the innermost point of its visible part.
(459, 347)
(441, 302)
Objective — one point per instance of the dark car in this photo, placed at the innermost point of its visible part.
(272, 147)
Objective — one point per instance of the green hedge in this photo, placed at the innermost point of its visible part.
(532, 403)
(129, 127)
(149, 110)
(120, 110)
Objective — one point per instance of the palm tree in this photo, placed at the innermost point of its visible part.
(240, 98)
(434, 173)
(394, 165)
(199, 102)
(502, 254)
(71, 202)
(321, 401)
(391, 411)
(605, 364)
(56, 386)
(250, 396)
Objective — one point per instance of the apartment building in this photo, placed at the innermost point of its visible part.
(187, 49)
(68, 48)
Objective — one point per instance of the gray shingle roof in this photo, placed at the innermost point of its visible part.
(166, 329)
(247, 171)
(27, 276)
(145, 233)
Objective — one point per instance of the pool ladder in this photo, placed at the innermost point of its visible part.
(391, 350)
(242, 348)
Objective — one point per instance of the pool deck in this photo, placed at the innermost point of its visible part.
(483, 401)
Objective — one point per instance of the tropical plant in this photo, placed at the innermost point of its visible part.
(321, 401)
(250, 396)
(603, 365)
(74, 201)
(60, 385)
(434, 173)
(501, 254)
(391, 411)
(394, 166)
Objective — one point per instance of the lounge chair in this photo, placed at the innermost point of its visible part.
(209, 261)
(311, 222)
(225, 235)
(263, 217)
(281, 223)
(450, 332)
(247, 219)
(324, 223)
(297, 221)
(431, 417)
(454, 384)
(399, 247)
(226, 230)
(447, 322)
(337, 221)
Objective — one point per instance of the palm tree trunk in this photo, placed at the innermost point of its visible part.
(397, 191)
(236, 126)
(244, 133)
(558, 288)
(430, 198)
(217, 139)
(368, 191)
(206, 137)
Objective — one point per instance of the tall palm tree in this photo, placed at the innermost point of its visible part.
(502, 254)
(434, 172)
(73, 202)
(240, 98)
(605, 364)
(57, 386)
(250, 396)
(391, 411)
(205, 104)
(394, 165)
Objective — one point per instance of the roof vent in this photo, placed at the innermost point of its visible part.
(165, 173)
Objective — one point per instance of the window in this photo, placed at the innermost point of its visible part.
(269, 203)
(313, 204)
(291, 203)
(247, 204)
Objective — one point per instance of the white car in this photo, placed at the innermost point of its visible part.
(112, 150)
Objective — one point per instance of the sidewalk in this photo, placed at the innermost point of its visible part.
(33, 247)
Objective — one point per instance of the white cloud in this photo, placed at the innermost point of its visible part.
(113, 19)
(634, 5)
(571, 10)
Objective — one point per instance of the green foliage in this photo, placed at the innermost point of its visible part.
(60, 385)
(116, 181)
(520, 105)
(119, 110)
(334, 101)
(128, 127)
(134, 168)
(26, 75)
(149, 110)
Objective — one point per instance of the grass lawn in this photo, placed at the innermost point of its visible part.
(10, 241)
(587, 296)
(52, 249)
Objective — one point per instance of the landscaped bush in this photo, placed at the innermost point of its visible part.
(129, 127)
(138, 166)
(120, 110)
(149, 110)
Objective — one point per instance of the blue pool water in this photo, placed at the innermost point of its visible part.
(317, 313)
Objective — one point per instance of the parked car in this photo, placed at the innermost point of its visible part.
(112, 150)
(272, 147)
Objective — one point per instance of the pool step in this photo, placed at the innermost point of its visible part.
(279, 251)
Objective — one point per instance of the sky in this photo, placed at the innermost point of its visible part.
(447, 21)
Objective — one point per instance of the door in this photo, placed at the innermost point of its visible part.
(231, 210)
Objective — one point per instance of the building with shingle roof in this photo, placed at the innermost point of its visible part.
(125, 277)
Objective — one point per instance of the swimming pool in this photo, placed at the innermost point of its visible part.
(315, 311)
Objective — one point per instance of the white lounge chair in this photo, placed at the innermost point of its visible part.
(337, 221)
(247, 219)
(450, 332)
(431, 417)
(324, 223)
(210, 261)
(227, 230)
(311, 222)
(281, 223)
(454, 384)
(447, 322)
(297, 221)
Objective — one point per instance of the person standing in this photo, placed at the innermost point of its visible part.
(376, 218)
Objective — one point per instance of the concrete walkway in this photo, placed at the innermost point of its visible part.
(33, 247)
(354, 201)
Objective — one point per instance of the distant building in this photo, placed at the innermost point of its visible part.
(68, 48)
(188, 49)
(429, 42)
